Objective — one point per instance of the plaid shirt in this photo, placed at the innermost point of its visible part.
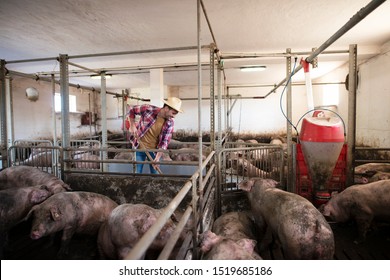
(148, 116)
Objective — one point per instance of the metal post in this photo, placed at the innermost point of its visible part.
(53, 94)
(103, 99)
(289, 127)
(212, 97)
(65, 124)
(3, 118)
(9, 111)
(352, 83)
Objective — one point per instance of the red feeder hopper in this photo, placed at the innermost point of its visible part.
(321, 139)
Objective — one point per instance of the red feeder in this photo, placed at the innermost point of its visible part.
(322, 139)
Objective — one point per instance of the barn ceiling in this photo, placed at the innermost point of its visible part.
(164, 34)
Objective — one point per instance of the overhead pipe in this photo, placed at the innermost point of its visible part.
(137, 69)
(360, 15)
(227, 56)
(36, 77)
(84, 68)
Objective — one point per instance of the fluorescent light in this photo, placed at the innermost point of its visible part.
(97, 76)
(255, 68)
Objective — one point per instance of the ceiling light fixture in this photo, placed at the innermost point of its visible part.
(97, 76)
(255, 68)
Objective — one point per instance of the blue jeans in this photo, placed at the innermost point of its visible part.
(141, 156)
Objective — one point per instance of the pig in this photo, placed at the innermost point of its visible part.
(360, 179)
(124, 155)
(15, 203)
(379, 175)
(27, 176)
(43, 159)
(71, 212)
(372, 166)
(217, 247)
(360, 203)
(126, 225)
(235, 225)
(371, 176)
(80, 164)
(301, 230)
(245, 168)
(186, 154)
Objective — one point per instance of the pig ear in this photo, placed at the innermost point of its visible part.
(67, 187)
(55, 213)
(37, 196)
(246, 185)
(247, 244)
(335, 193)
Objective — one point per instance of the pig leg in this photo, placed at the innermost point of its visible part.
(363, 224)
(65, 242)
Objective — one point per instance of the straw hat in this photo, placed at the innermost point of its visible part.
(174, 103)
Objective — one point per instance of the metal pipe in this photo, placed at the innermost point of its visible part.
(360, 15)
(32, 60)
(36, 77)
(289, 126)
(164, 255)
(3, 116)
(227, 56)
(352, 82)
(137, 52)
(293, 84)
(84, 68)
(142, 245)
(200, 182)
(65, 123)
(9, 111)
(54, 121)
(216, 49)
(103, 102)
(140, 69)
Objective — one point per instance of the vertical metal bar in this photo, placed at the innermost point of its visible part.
(219, 105)
(218, 169)
(219, 185)
(212, 97)
(3, 121)
(53, 104)
(103, 99)
(9, 111)
(352, 83)
(195, 206)
(65, 124)
(289, 127)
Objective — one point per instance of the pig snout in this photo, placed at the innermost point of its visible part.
(37, 232)
(360, 179)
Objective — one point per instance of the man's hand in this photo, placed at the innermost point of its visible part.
(132, 128)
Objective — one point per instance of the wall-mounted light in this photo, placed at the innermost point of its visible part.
(97, 76)
(253, 68)
(32, 93)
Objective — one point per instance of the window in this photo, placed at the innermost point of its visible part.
(330, 95)
(72, 103)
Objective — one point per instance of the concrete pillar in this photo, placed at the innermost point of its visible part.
(156, 87)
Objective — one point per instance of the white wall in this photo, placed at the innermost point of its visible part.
(372, 100)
